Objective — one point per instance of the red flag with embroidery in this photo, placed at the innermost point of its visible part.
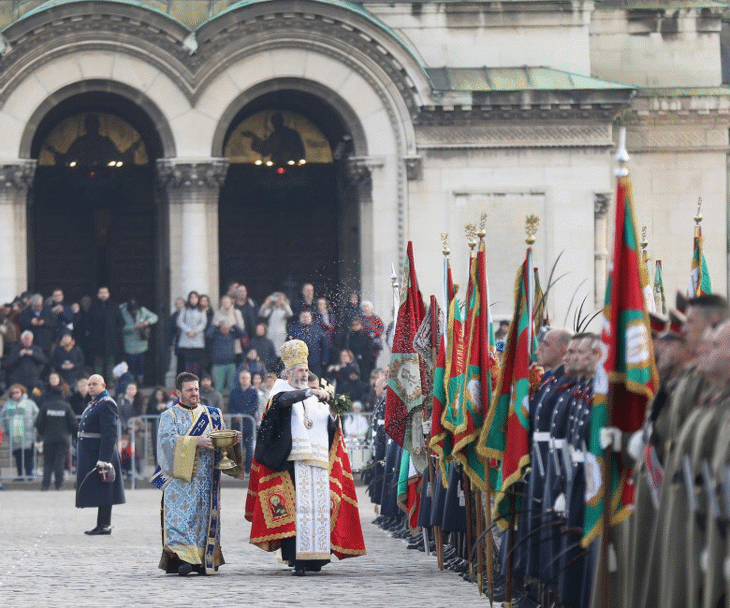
(440, 440)
(626, 377)
(405, 374)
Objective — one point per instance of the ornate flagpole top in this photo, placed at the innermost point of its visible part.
(699, 217)
(622, 156)
(445, 243)
(531, 224)
(482, 226)
(643, 242)
(471, 233)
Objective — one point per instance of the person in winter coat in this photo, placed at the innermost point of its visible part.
(18, 419)
(192, 322)
(56, 424)
(224, 333)
(68, 359)
(136, 335)
(105, 332)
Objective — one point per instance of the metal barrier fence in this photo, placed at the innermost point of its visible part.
(138, 446)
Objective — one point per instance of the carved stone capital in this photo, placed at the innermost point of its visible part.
(414, 167)
(601, 203)
(17, 176)
(209, 173)
(359, 168)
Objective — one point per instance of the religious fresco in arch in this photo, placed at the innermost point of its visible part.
(277, 137)
(93, 139)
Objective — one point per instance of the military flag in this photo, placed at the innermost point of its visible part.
(441, 440)
(453, 380)
(626, 376)
(405, 374)
(480, 359)
(540, 314)
(660, 302)
(699, 276)
(504, 435)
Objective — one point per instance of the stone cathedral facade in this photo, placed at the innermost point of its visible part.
(159, 146)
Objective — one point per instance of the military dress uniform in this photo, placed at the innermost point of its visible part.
(97, 441)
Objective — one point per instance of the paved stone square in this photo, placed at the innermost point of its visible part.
(47, 560)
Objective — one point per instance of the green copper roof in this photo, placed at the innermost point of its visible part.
(516, 79)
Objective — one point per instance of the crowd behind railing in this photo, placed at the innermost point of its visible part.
(50, 347)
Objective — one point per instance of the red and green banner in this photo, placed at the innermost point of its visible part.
(699, 276)
(479, 361)
(441, 440)
(453, 382)
(504, 436)
(405, 374)
(626, 376)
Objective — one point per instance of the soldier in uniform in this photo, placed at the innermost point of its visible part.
(550, 354)
(552, 518)
(99, 472)
(703, 312)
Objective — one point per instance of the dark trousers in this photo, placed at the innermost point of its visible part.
(24, 461)
(103, 365)
(104, 517)
(54, 461)
(137, 365)
(248, 434)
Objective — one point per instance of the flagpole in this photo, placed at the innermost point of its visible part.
(622, 170)
(470, 230)
(485, 511)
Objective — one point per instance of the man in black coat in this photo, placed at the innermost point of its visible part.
(56, 423)
(98, 454)
(26, 362)
(105, 325)
(312, 336)
(39, 319)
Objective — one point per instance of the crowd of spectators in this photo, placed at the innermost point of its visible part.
(49, 347)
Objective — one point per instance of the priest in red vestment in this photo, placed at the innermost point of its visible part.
(301, 494)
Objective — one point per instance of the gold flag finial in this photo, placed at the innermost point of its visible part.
(698, 218)
(643, 242)
(445, 243)
(471, 233)
(531, 224)
(482, 226)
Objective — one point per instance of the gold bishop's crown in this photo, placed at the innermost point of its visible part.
(294, 352)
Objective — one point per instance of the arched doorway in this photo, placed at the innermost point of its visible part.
(93, 217)
(288, 214)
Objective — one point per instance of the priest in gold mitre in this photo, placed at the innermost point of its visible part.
(190, 482)
(301, 494)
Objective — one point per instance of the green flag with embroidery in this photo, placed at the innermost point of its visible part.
(626, 377)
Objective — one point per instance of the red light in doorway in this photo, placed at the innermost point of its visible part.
(280, 170)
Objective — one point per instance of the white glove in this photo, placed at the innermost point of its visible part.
(100, 464)
(426, 425)
(559, 506)
(610, 437)
(636, 445)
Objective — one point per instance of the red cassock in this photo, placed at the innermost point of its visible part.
(271, 505)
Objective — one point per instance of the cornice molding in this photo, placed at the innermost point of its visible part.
(176, 174)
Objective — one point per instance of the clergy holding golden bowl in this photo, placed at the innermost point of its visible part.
(189, 477)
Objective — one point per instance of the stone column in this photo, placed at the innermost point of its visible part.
(601, 205)
(192, 187)
(15, 180)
